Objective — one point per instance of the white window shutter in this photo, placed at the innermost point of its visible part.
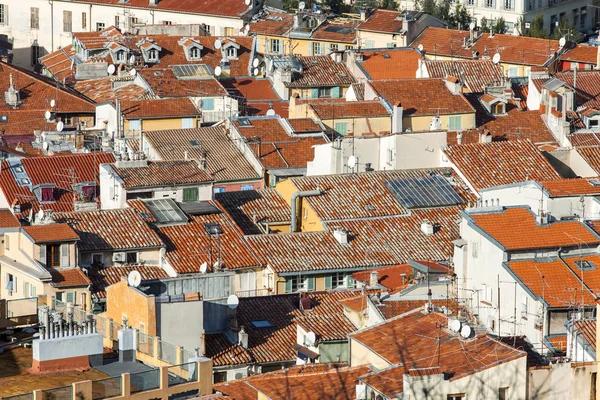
(64, 255)
(43, 254)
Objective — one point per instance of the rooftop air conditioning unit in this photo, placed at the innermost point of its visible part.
(119, 257)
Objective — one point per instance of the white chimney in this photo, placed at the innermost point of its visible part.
(459, 137)
(397, 112)
(341, 235)
(435, 124)
(485, 136)
(185, 155)
(243, 338)
(373, 278)
(427, 228)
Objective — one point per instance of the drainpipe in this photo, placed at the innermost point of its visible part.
(305, 193)
(51, 2)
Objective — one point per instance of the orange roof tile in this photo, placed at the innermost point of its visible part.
(476, 74)
(222, 352)
(164, 83)
(62, 277)
(591, 155)
(272, 24)
(101, 90)
(393, 308)
(60, 64)
(251, 89)
(320, 71)
(397, 63)
(159, 108)
(206, 7)
(587, 88)
(8, 220)
(101, 278)
(305, 125)
(393, 277)
(51, 233)
(162, 173)
(387, 21)
(582, 52)
(516, 229)
(337, 31)
(350, 109)
(559, 342)
(588, 328)
(570, 187)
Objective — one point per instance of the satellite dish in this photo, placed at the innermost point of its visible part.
(562, 42)
(310, 339)
(465, 331)
(271, 112)
(247, 2)
(351, 162)
(133, 72)
(60, 126)
(52, 103)
(134, 279)
(40, 215)
(255, 71)
(217, 44)
(204, 267)
(218, 70)
(496, 58)
(472, 26)
(455, 325)
(131, 59)
(111, 69)
(255, 62)
(420, 47)
(48, 115)
(233, 301)
(45, 146)
(302, 5)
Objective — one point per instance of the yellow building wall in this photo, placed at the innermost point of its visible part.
(379, 40)
(121, 300)
(309, 221)
(361, 355)
(300, 47)
(421, 123)
(158, 124)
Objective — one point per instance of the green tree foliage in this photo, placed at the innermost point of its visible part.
(567, 29)
(389, 4)
(460, 17)
(500, 25)
(536, 28)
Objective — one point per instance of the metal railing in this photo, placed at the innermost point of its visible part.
(59, 393)
(145, 344)
(21, 307)
(146, 380)
(253, 292)
(115, 327)
(167, 352)
(105, 388)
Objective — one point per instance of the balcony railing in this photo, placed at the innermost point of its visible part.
(254, 292)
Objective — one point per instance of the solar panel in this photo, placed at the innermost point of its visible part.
(191, 71)
(427, 191)
(165, 211)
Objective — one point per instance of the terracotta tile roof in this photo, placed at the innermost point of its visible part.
(520, 93)
(558, 342)
(305, 125)
(278, 147)
(51, 233)
(121, 229)
(103, 277)
(320, 71)
(25, 148)
(272, 24)
(386, 21)
(363, 194)
(397, 63)
(583, 139)
(62, 277)
(591, 155)
(251, 89)
(350, 109)
(162, 173)
(358, 303)
(587, 328)
(422, 96)
(588, 87)
(206, 7)
(223, 352)
(570, 187)
(306, 382)
(343, 31)
(583, 53)
(60, 64)
(476, 74)
(390, 277)
(8, 220)
(258, 108)
(407, 340)
(513, 49)
(264, 205)
(516, 229)
(359, 90)
(223, 160)
(43, 170)
(164, 83)
(158, 108)
(499, 163)
(389, 381)
(101, 90)
(393, 308)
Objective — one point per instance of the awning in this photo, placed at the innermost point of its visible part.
(305, 350)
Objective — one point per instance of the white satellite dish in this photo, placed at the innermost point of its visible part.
(310, 339)
(270, 112)
(455, 325)
(131, 59)
(134, 279)
(233, 301)
(255, 71)
(302, 5)
(217, 44)
(204, 267)
(351, 162)
(48, 115)
(562, 42)
(60, 126)
(255, 62)
(465, 331)
(40, 215)
(111, 69)
(45, 146)
(52, 103)
(420, 47)
(133, 72)
(247, 2)
(472, 26)
(496, 58)
(218, 71)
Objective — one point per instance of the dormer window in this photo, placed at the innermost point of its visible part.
(194, 52)
(120, 55)
(498, 109)
(231, 52)
(153, 55)
(47, 194)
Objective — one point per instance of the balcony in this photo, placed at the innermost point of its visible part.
(254, 292)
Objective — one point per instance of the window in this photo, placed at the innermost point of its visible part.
(489, 3)
(247, 187)
(190, 194)
(167, 22)
(32, 291)
(509, 4)
(88, 193)
(36, 53)
(231, 52)
(3, 14)
(583, 19)
(276, 46)
(59, 296)
(71, 297)
(52, 255)
(458, 396)
(67, 21)
(25, 288)
(524, 308)
(135, 125)
(83, 20)
(349, 47)
(97, 259)
(7, 242)
(470, 2)
(229, 31)
(498, 108)
(369, 44)
(208, 104)
(220, 376)
(117, 21)
(333, 47)
(503, 393)
(338, 280)
(219, 190)
(121, 55)
(295, 283)
(341, 128)
(35, 18)
(592, 123)
(390, 45)
(455, 123)
(47, 194)
(132, 258)
(552, 24)
(261, 324)
(324, 92)
(390, 155)
(187, 123)
(11, 283)
(152, 55)
(99, 26)
(194, 52)
(317, 49)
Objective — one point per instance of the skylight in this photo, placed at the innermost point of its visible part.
(261, 324)
(244, 122)
(585, 265)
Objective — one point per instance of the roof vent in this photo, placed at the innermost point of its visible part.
(427, 227)
(12, 96)
(341, 235)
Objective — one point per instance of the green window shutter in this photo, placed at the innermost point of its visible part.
(64, 255)
(341, 128)
(350, 282)
(335, 91)
(311, 283)
(33, 294)
(454, 123)
(327, 282)
(314, 93)
(190, 194)
(25, 289)
(70, 297)
(208, 104)
(288, 286)
(328, 48)
(258, 49)
(186, 123)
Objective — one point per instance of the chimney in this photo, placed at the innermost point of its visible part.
(427, 228)
(397, 111)
(459, 137)
(475, 54)
(243, 338)
(185, 155)
(341, 235)
(363, 15)
(358, 55)
(485, 136)
(453, 84)
(373, 278)
(203, 160)
(436, 123)
(471, 36)
(153, 3)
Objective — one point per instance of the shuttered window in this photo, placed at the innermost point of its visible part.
(3, 14)
(83, 20)
(190, 194)
(455, 123)
(35, 18)
(67, 21)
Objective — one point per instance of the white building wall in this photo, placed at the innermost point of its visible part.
(112, 194)
(419, 150)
